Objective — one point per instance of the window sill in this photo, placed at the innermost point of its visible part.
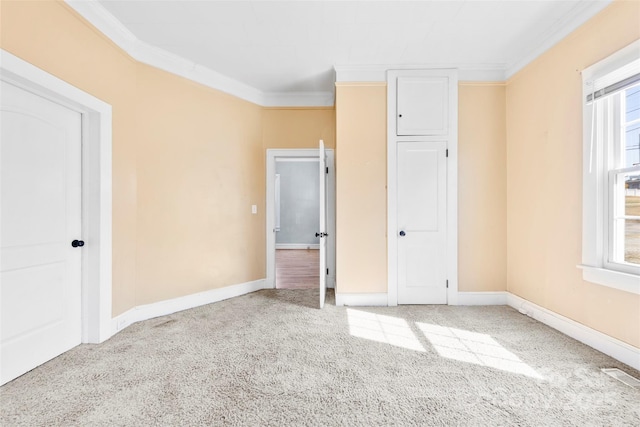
(613, 279)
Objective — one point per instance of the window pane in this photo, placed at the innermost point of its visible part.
(631, 149)
(632, 194)
(632, 101)
(632, 241)
(632, 146)
(632, 226)
(626, 218)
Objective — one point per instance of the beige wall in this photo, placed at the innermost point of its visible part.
(298, 127)
(544, 178)
(187, 160)
(482, 188)
(50, 36)
(199, 169)
(361, 199)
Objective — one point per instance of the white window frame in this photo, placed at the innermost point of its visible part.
(598, 183)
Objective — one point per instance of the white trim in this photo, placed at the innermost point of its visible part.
(96, 187)
(581, 13)
(378, 73)
(608, 345)
(452, 181)
(298, 246)
(296, 160)
(110, 26)
(610, 64)
(163, 308)
(362, 300)
(611, 278)
(482, 298)
(298, 99)
(290, 154)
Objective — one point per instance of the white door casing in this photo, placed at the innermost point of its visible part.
(323, 222)
(40, 272)
(422, 223)
(428, 103)
(96, 117)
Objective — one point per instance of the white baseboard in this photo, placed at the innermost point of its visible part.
(162, 308)
(608, 345)
(482, 298)
(297, 246)
(370, 300)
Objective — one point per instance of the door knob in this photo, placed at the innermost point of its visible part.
(77, 243)
(402, 233)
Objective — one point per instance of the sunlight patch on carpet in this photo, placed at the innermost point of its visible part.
(472, 347)
(383, 329)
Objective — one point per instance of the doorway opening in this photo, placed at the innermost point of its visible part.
(297, 214)
(293, 206)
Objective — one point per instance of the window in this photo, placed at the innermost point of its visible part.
(611, 171)
(625, 181)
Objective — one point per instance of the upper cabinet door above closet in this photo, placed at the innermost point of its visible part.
(423, 105)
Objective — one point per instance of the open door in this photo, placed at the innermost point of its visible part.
(323, 224)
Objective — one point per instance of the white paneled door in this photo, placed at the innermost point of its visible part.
(323, 223)
(421, 216)
(40, 270)
(422, 106)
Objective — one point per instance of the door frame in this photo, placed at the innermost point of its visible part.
(272, 154)
(96, 277)
(452, 180)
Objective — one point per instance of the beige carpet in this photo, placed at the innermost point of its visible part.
(272, 359)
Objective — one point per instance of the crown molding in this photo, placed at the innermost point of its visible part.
(577, 16)
(106, 23)
(378, 73)
(112, 28)
(298, 99)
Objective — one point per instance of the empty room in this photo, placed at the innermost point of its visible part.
(322, 213)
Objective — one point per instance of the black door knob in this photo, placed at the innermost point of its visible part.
(402, 233)
(77, 243)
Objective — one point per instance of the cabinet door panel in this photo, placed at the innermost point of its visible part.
(422, 106)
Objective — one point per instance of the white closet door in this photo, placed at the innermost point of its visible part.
(40, 271)
(422, 227)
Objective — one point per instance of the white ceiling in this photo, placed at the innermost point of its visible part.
(292, 47)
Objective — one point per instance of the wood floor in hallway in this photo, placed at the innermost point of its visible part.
(297, 268)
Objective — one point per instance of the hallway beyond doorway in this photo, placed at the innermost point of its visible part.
(297, 268)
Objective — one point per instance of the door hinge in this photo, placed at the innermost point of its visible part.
(327, 271)
(447, 152)
(447, 284)
(327, 169)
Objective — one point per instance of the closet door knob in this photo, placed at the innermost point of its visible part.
(77, 243)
